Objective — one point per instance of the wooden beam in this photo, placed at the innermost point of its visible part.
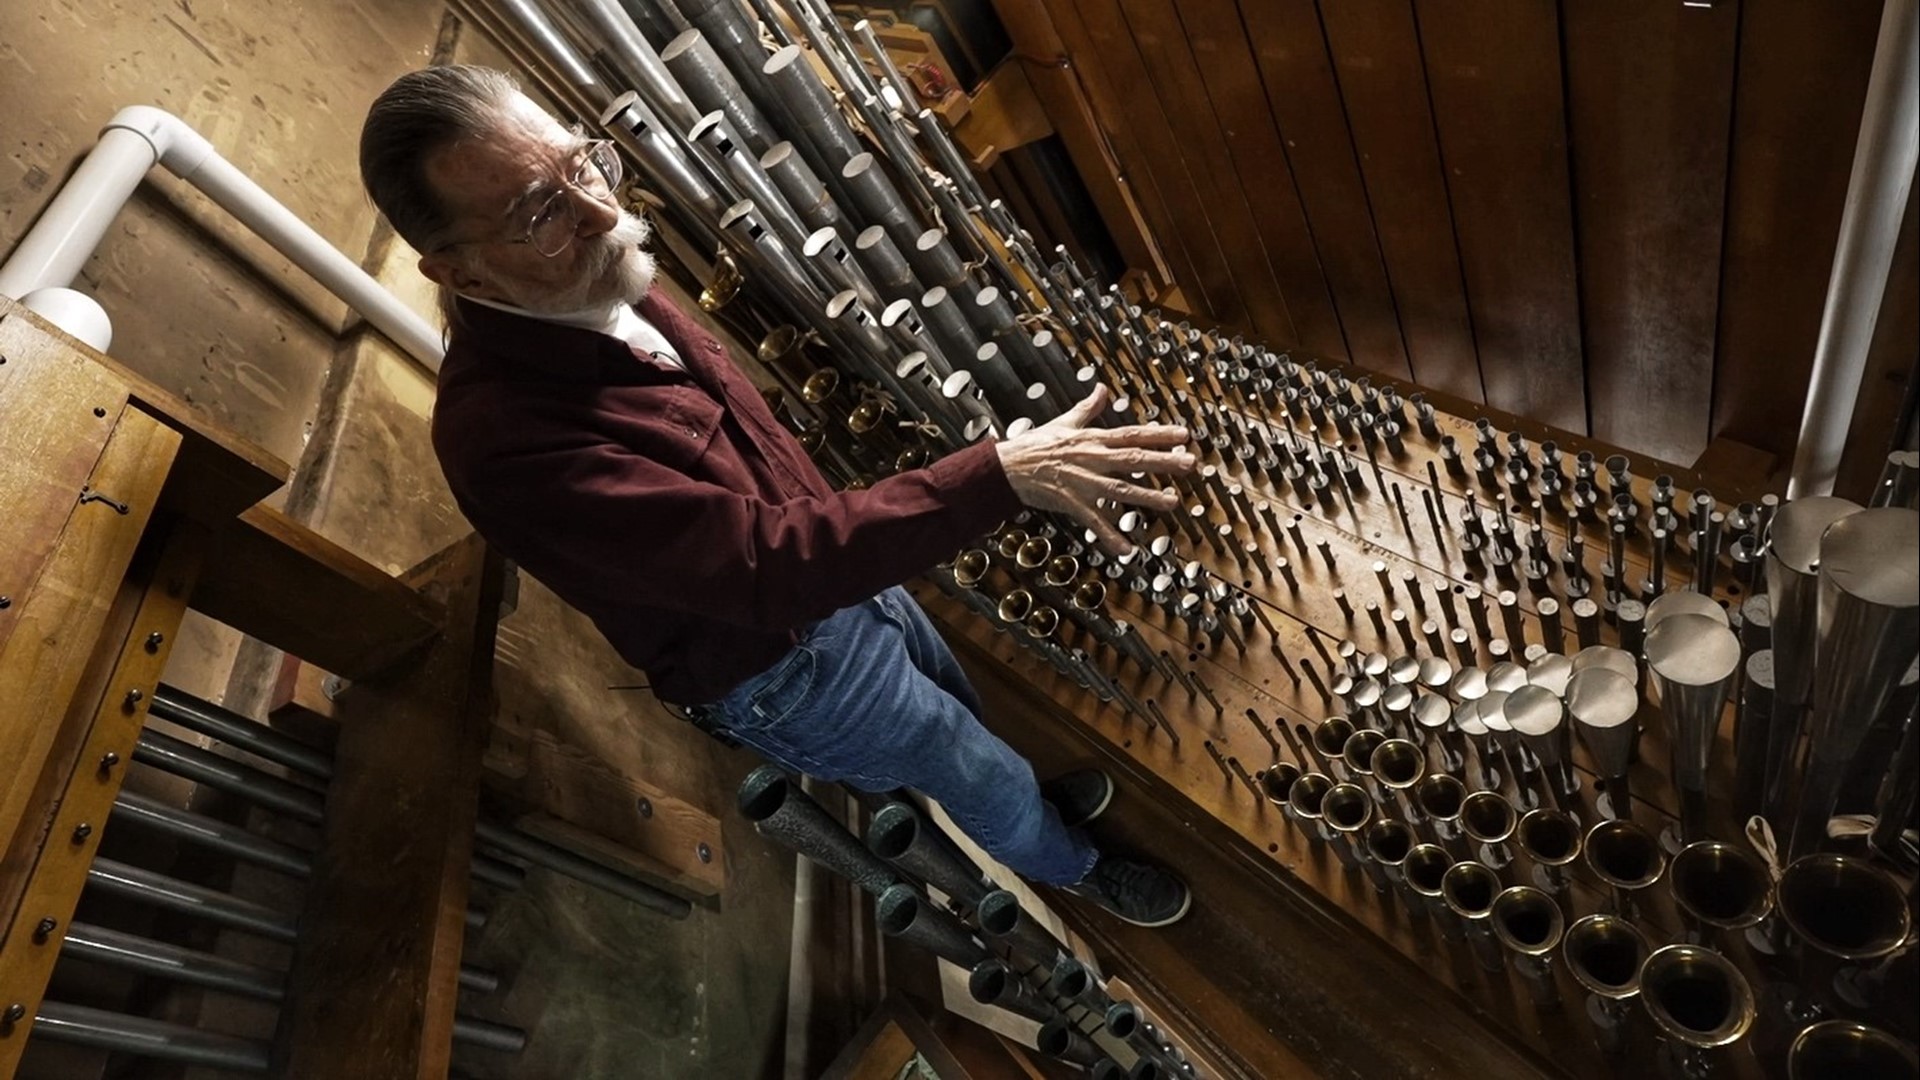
(287, 585)
(83, 778)
(371, 991)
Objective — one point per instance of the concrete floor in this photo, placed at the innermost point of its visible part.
(604, 989)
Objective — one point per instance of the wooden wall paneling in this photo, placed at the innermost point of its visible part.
(1493, 68)
(1649, 99)
(1120, 146)
(1039, 47)
(1211, 289)
(1375, 47)
(1801, 83)
(1303, 99)
(1231, 77)
(1893, 362)
(1245, 237)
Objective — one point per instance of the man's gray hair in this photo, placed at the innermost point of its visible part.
(422, 113)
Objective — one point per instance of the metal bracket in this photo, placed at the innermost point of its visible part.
(88, 495)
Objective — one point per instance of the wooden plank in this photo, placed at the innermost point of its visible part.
(58, 411)
(58, 624)
(1649, 110)
(1493, 69)
(1249, 242)
(296, 590)
(1005, 116)
(371, 990)
(1375, 46)
(220, 473)
(1304, 100)
(1037, 45)
(1796, 116)
(621, 819)
(1136, 118)
(83, 795)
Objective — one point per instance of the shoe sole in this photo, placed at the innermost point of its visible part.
(1105, 801)
(1185, 906)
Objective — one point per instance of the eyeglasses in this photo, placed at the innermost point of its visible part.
(557, 221)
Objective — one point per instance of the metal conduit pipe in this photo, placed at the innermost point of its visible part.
(935, 261)
(479, 980)
(141, 1037)
(217, 835)
(885, 265)
(825, 250)
(878, 202)
(736, 41)
(488, 1035)
(712, 86)
(184, 897)
(527, 25)
(130, 952)
(822, 133)
(1883, 171)
(803, 190)
(901, 87)
(498, 873)
(935, 136)
(564, 862)
(178, 707)
(658, 21)
(224, 774)
(948, 322)
(637, 128)
(618, 39)
(715, 135)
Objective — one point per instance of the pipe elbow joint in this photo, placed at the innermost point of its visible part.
(175, 144)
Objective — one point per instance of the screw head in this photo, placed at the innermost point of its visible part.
(81, 832)
(44, 929)
(5, 602)
(705, 852)
(153, 641)
(646, 807)
(133, 700)
(108, 760)
(15, 1013)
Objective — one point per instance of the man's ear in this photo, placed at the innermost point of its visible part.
(450, 273)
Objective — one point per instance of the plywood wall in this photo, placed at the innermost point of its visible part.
(1617, 216)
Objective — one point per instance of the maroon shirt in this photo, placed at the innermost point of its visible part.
(672, 507)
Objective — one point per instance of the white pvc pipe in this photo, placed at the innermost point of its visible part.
(139, 136)
(1883, 171)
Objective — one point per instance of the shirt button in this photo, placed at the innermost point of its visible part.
(713, 346)
(692, 432)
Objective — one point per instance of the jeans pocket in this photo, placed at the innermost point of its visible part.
(785, 688)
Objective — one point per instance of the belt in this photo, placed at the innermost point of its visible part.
(706, 718)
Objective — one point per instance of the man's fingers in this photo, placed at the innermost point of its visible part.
(1150, 436)
(1135, 495)
(1086, 409)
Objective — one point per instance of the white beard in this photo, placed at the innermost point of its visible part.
(614, 267)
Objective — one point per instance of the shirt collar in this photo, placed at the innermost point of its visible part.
(564, 349)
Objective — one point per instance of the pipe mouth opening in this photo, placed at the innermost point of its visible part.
(1389, 842)
(1054, 1037)
(1696, 996)
(1720, 884)
(1278, 782)
(1550, 836)
(1440, 795)
(1309, 794)
(1625, 855)
(1527, 920)
(764, 792)
(988, 983)
(1847, 1048)
(1426, 867)
(1072, 980)
(1841, 906)
(1605, 954)
(1487, 817)
(894, 830)
(999, 913)
(1469, 888)
(1123, 1019)
(1347, 807)
(899, 906)
(782, 59)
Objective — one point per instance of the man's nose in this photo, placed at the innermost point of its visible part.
(597, 215)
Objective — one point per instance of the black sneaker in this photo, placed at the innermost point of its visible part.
(1139, 893)
(1080, 795)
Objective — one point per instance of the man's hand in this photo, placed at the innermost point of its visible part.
(1064, 465)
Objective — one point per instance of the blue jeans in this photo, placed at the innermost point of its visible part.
(872, 697)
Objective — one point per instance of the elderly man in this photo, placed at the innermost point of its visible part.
(601, 439)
